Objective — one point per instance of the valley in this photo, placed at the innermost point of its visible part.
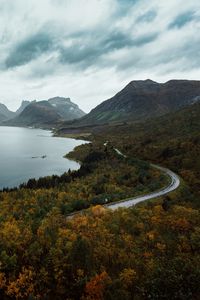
(81, 235)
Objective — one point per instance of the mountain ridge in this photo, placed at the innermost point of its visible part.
(45, 113)
(143, 99)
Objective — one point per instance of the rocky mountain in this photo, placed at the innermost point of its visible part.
(143, 99)
(5, 113)
(23, 105)
(46, 113)
(67, 109)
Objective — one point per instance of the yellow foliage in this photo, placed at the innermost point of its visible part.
(150, 235)
(23, 286)
(161, 247)
(127, 277)
(10, 233)
(98, 211)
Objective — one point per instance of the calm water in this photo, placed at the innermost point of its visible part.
(21, 151)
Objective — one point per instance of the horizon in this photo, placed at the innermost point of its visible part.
(89, 50)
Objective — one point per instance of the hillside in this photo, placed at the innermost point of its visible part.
(172, 140)
(67, 109)
(36, 114)
(46, 113)
(143, 99)
(23, 105)
(2, 117)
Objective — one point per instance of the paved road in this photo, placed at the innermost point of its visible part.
(174, 184)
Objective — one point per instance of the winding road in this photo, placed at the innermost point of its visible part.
(174, 184)
(126, 203)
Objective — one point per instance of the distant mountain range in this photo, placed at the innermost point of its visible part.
(140, 100)
(45, 113)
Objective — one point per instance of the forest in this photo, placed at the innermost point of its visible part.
(151, 251)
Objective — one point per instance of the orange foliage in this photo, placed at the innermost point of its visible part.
(95, 287)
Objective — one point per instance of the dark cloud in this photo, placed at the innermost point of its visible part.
(182, 20)
(124, 7)
(172, 58)
(87, 49)
(84, 50)
(116, 40)
(87, 52)
(79, 54)
(149, 16)
(29, 49)
(145, 39)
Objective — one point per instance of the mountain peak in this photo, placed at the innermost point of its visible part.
(46, 113)
(59, 99)
(142, 99)
(147, 83)
(23, 105)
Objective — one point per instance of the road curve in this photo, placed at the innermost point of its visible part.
(126, 203)
(174, 184)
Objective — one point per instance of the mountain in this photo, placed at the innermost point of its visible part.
(36, 114)
(172, 140)
(67, 109)
(144, 99)
(2, 117)
(5, 113)
(46, 113)
(23, 105)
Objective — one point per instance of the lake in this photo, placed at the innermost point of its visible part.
(31, 153)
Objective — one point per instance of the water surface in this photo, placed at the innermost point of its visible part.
(31, 153)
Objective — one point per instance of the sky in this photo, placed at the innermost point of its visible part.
(89, 50)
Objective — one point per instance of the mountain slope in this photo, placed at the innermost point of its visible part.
(2, 117)
(144, 99)
(23, 105)
(67, 109)
(172, 140)
(4, 111)
(36, 114)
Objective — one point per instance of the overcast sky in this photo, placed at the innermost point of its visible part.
(89, 49)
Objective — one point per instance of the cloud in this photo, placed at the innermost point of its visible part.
(149, 16)
(89, 49)
(92, 50)
(29, 49)
(182, 19)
